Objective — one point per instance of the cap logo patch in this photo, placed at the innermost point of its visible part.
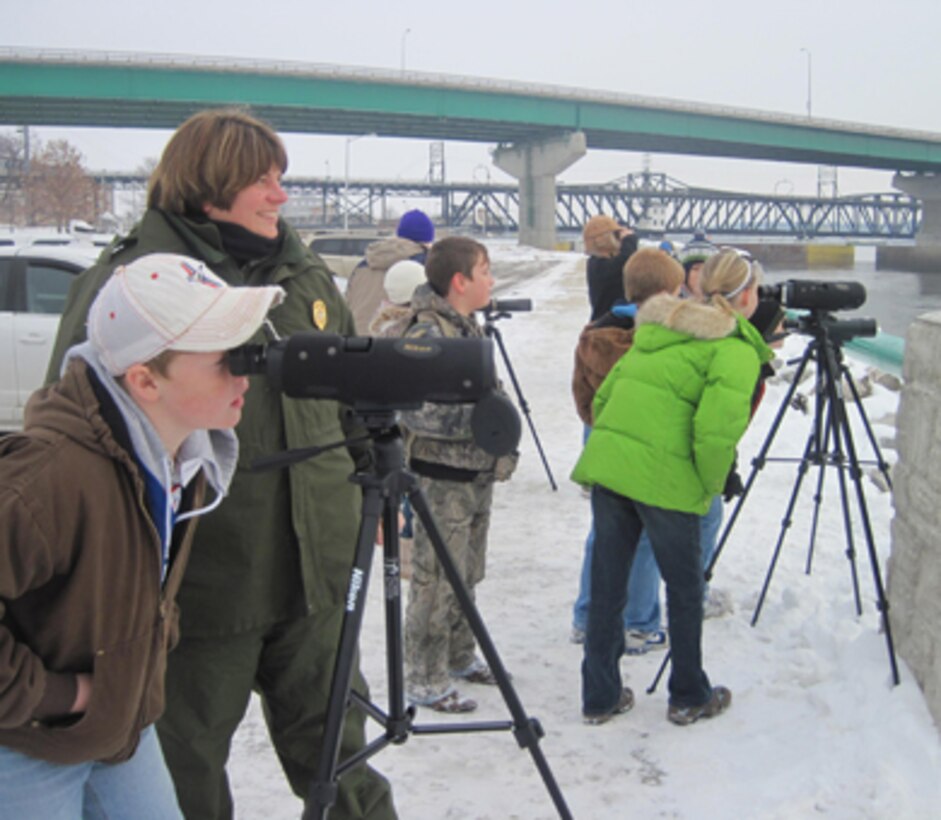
(198, 276)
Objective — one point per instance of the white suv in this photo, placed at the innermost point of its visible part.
(34, 283)
(344, 251)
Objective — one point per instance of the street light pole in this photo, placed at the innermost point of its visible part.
(402, 60)
(810, 81)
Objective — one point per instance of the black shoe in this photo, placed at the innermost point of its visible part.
(684, 715)
(624, 704)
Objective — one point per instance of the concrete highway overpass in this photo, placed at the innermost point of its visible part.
(539, 130)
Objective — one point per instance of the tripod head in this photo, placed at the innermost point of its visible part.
(504, 309)
(824, 325)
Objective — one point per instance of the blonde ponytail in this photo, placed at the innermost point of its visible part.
(725, 275)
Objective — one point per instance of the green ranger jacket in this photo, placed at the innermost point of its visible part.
(281, 544)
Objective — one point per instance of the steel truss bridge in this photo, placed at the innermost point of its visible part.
(652, 202)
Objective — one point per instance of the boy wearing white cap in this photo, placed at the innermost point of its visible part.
(98, 499)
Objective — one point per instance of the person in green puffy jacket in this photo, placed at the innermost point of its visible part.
(262, 599)
(667, 420)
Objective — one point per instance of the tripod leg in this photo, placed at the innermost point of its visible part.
(492, 330)
(880, 461)
(822, 434)
(786, 522)
(838, 423)
(527, 730)
(323, 790)
(882, 603)
(399, 719)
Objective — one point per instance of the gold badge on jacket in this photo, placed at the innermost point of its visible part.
(319, 312)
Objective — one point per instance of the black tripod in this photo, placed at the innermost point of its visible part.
(830, 443)
(491, 330)
(383, 487)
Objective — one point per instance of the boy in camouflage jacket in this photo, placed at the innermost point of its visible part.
(456, 477)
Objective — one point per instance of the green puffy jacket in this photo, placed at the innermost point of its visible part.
(671, 411)
(282, 542)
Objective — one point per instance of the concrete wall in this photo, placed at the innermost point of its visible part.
(800, 255)
(918, 258)
(914, 570)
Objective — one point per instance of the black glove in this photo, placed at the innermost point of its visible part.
(733, 485)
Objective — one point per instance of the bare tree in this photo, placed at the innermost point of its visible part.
(12, 161)
(58, 188)
(146, 167)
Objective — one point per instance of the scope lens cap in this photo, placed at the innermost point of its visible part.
(495, 424)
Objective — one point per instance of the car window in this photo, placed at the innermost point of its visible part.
(7, 299)
(47, 287)
(328, 246)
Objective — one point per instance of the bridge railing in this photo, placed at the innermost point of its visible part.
(666, 206)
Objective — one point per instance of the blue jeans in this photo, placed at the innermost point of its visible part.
(138, 788)
(674, 537)
(642, 612)
(710, 524)
(643, 590)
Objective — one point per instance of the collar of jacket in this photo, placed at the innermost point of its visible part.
(215, 452)
(203, 241)
(687, 317)
(384, 253)
(425, 300)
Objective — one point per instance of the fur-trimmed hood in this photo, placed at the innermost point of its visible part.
(686, 317)
(384, 253)
(391, 321)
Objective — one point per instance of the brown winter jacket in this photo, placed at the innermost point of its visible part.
(80, 589)
(599, 346)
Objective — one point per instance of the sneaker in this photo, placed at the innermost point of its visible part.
(452, 704)
(640, 643)
(718, 703)
(577, 635)
(718, 603)
(624, 704)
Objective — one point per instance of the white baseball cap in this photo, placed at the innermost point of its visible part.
(401, 280)
(164, 301)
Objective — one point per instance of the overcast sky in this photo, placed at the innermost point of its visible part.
(871, 62)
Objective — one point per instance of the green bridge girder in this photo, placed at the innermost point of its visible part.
(159, 91)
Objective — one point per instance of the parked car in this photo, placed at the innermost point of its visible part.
(344, 251)
(34, 283)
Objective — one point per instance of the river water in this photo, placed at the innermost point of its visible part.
(894, 298)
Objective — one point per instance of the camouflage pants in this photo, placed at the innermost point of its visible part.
(438, 638)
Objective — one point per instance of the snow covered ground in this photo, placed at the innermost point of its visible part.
(815, 727)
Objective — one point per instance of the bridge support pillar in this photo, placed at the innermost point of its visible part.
(926, 255)
(927, 188)
(535, 164)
